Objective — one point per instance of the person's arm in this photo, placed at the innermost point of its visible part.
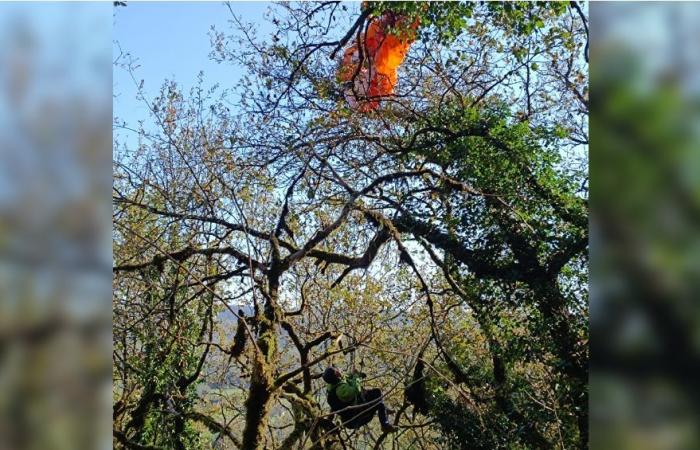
(350, 389)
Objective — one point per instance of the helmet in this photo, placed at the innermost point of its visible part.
(332, 375)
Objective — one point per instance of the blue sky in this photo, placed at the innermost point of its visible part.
(171, 41)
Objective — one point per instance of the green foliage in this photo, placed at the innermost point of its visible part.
(163, 371)
(460, 188)
(463, 429)
(501, 157)
(443, 22)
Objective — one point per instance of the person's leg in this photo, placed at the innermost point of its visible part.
(374, 397)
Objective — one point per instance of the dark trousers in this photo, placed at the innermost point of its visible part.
(362, 413)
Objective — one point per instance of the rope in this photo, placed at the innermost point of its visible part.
(352, 357)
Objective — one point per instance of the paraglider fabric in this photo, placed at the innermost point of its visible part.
(369, 67)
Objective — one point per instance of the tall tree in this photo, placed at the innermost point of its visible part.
(441, 239)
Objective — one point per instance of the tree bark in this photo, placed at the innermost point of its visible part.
(261, 392)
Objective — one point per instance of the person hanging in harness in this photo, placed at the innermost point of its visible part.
(354, 405)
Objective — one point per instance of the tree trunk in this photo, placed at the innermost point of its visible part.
(570, 348)
(261, 393)
(257, 408)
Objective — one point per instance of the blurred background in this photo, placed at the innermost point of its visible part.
(55, 222)
(55, 225)
(645, 245)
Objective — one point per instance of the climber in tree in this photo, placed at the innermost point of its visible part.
(354, 405)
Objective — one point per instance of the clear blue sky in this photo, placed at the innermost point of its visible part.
(171, 41)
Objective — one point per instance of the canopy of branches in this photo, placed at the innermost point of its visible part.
(438, 242)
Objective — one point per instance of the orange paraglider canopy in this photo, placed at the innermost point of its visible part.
(369, 66)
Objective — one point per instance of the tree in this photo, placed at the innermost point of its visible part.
(453, 220)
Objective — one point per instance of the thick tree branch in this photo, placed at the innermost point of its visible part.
(186, 253)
